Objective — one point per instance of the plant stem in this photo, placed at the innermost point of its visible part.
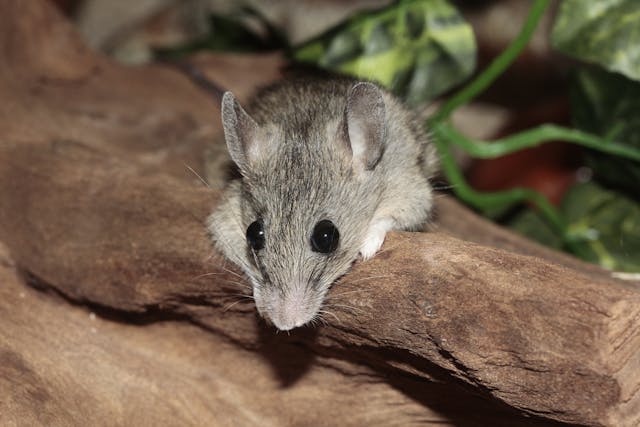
(532, 138)
(497, 67)
(444, 135)
(490, 203)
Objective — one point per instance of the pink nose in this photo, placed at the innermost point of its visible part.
(292, 310)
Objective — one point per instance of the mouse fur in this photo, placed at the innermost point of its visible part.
(309, 150)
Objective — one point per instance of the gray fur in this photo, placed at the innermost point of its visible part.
(306, 170)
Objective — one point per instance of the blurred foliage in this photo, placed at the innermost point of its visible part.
(422, 48)
(608, 104)
(604, 32)
(230, 33)
(604, 227)
(417, 48)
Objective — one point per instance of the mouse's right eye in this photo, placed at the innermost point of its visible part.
(255, 235)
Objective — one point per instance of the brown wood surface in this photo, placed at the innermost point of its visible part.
(98, 209)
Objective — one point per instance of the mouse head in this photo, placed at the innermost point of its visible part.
(310, 186)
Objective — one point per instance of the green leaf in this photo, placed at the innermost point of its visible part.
(417, 48)
(604, 227)
(608, 104)
(606, 32)
(531, 224)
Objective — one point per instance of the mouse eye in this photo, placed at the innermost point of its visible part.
(325, 237)
(255, 235)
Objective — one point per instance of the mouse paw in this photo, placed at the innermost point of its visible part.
(375, 237)
(371, 246)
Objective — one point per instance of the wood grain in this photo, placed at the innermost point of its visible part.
(98, 210)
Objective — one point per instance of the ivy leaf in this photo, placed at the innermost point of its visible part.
(608, 104)
(417, 48)
(530, 223)
(603, 225)
(607, 225)
(606, 32)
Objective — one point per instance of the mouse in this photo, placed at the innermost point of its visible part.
(326, 168)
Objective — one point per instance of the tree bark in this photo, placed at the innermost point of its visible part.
(96, 204)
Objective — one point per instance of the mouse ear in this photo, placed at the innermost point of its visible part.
(365, 124)
(242, 133)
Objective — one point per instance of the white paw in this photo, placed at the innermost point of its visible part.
(371, 245)
(375, 237)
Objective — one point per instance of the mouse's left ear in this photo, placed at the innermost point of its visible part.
(365, 125)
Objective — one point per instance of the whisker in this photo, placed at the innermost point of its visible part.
(232, 272)
(348, 292)
(215, 273)
(331, 314)
(235, 282)
(244, 285)
(372, 277)
(345, 307)
(322, 320)
(198, 176)
(389, 248)
(341, 297)
(251, 297)
(224, 310)
(258, 265)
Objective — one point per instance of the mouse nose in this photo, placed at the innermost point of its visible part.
(291, 310)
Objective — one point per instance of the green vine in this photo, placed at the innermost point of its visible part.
(495, 203)
(533, 138)
(498, 66)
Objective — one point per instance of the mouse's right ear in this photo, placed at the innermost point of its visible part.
(364, 125)
(242, 133)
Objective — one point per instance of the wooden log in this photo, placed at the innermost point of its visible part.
(88, 209)
(540, 337)
(63, 365)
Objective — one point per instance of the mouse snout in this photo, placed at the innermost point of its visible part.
(291, 309)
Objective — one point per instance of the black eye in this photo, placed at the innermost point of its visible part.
(325, 237)
(255, 235)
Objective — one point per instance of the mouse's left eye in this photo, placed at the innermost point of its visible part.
(255, 235)
(325, 237)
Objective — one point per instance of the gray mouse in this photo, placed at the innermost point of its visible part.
(328, 167)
